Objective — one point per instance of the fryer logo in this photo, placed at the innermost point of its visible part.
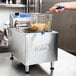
(44, 47)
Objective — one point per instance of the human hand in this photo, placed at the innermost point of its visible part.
(57, 8)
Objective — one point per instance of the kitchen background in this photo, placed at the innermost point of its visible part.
(64, 23)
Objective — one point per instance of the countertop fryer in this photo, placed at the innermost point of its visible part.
(31, 47)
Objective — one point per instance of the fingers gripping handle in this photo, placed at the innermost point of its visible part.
(60, 7)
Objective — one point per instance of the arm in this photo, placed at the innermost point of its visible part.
(67, 5)
(70, 5)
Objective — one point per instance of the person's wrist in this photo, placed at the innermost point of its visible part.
(66, 5)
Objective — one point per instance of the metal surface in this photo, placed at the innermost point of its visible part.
(33, 48)
(40, 5)
(27, 6)
(37, 6)
(33, 6)
(31, 21)
(65, 66)
(27, 68)
(19, 20)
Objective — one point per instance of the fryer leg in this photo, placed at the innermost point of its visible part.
(11, 58)
(52, 65)
(27, 69)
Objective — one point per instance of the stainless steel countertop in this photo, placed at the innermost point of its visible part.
(65, 66)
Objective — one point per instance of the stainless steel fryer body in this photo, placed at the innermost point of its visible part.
(33, 48)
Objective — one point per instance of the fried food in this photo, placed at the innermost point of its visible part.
(40, 27)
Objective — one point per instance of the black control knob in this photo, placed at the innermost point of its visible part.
(17, 14)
